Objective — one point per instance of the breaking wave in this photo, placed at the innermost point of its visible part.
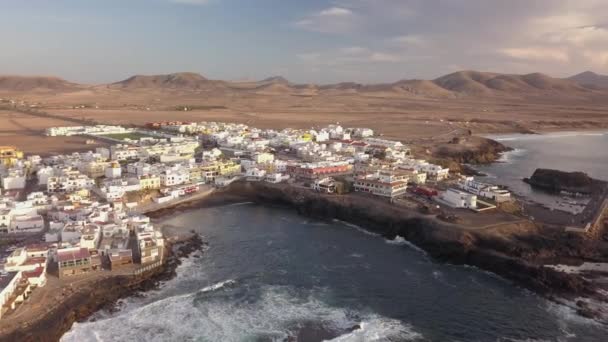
(507, 157)
(544, 136)
(237, 204)
(379, 330)
(227, 312)
(354, 226)
(400, 241)
(218, 286)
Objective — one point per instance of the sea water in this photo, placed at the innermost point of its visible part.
(271, 275)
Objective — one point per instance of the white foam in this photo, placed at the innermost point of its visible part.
(400, 241)
(354, 226)
(545, 136)
(272, 314)
(379, 329)
(566, 313)
(506, 157)
(237, 204)
(488, 273)
(217, 286)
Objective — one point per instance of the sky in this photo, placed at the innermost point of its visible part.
(315, 41)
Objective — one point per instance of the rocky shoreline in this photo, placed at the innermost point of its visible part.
(103, 294)
(460, 151)
(560, 181)
(519, 256)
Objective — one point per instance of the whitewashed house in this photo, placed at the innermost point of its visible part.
(459, 199)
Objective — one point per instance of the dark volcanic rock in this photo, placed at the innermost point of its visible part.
(471, 150)
(557, 181)
(519, 257)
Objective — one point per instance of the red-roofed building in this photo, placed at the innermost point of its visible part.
(76, 260)
(119, 258)
(37, 277)
(382, 183)
(318, 170)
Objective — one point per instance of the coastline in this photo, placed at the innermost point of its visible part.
(96, 295)
(507, 136)
(444, 242)
(519, 256)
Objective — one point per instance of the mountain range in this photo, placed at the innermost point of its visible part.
(457, 84)
(591, 79)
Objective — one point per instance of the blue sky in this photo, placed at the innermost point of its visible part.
(317, 41)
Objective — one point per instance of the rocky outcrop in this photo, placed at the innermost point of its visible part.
(470, 150)
(558, 181)
(80, 303)
(519, 257)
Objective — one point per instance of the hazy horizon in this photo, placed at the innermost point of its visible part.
(317, 41)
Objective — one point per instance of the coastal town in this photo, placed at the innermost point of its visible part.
(80, 214)
(66, 219)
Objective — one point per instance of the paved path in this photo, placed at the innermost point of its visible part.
(157, 206)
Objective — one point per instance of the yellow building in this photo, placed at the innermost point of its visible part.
(9, 155)
(95, 169)
(306, 137)
(228, 168)
(195, 174)
(149, 182)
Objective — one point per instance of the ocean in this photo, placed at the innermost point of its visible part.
(269, 274)
(566, 151)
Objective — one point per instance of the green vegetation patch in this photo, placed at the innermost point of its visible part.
(125, 136)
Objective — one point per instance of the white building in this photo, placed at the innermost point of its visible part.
(395, 145)
(382, 183)
(490, 191)
(44, 174)
(435, 172)
(139, 168)
(14, 179)
(324, 185)
(90, 236)
(5, 220)
(263, 158)
(69, 183)
(459, 199)
(174, 177)
(124, 152)
(113, 170)
(321, 136)
(26, 224)
(363, 132)
(255, 174)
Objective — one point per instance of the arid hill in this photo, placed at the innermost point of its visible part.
(462, 84)
(35, 83)
(422, 88)
(486, 83)
(179, 81)
(590, 79)
(275, 79)
(458, 84)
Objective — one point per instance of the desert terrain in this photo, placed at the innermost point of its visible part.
(409, 110)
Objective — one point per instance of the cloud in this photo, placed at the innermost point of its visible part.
(330, 20)
(537, 53)
(354, 50)
(407, 40)
(426, 38)
(309, 56)
(335, 12)
(384, 57)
